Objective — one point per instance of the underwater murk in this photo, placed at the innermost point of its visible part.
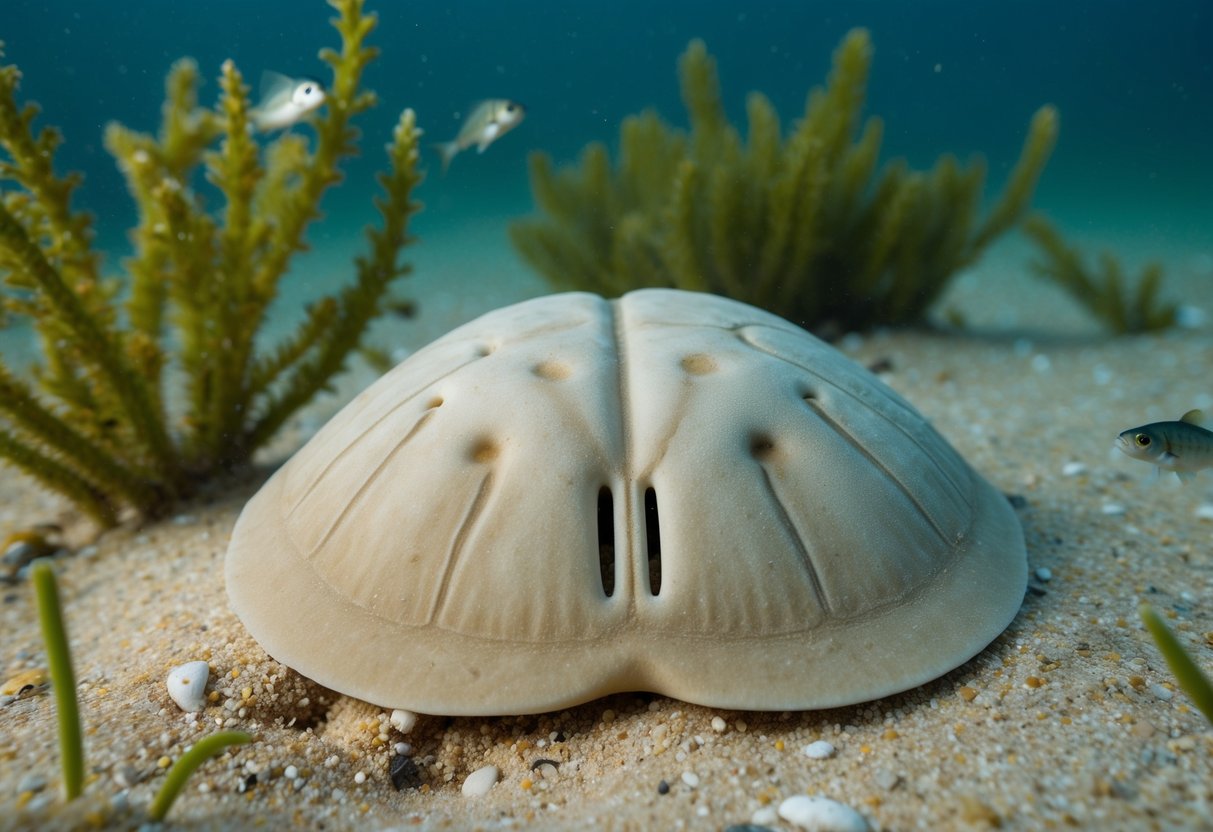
(628, 416)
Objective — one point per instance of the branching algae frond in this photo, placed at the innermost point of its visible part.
(1103, 291)
(96, 424)
(804, 225)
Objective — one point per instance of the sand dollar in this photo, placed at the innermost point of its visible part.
(670, 492)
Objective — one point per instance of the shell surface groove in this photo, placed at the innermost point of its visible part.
(673, 492)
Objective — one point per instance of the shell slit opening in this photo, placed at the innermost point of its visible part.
(652, 540)
(606, 540)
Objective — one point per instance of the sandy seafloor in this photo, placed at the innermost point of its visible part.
(1069, 719)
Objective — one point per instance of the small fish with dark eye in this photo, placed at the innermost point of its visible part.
(1183, 447)
(285, 100)
(488, 121)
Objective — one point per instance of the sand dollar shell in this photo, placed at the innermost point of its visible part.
(670, 492)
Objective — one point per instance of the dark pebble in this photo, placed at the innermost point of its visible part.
(663, 787)
(1037, 590)
(883, 364)
(247, 783)
(1017, 500)
(404, 772)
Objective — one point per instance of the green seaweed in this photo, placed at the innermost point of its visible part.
(1191, 679)
(804, 225)
(152, 384)
(63, 679)
(1103, 291)
(198, 754)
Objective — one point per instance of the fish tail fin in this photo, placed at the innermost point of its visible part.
(447, 151)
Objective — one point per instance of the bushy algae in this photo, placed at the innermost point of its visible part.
(803, 225)
(152, 384)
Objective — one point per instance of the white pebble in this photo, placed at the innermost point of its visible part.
(290, 772)
(1041, 363)
(819, 750)
(403, 721)
(187, 685)
(1204, 511)
(1190, 317)
(1073, 469)
(1112, 509)
(480, 781)
(764, 816)
(1044, 574)
(360, 778)
(718, 725)
(821, 814)
(1160, 692)
(403, 748)
(691, 779)
(32, 782)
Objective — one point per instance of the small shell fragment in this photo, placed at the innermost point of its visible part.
(24, 682)
(403, 721)
(187, 685)
(480, 781)
(821, 815)
(819, 750)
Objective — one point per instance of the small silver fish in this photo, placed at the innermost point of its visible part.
(285, 100)
(1183, 447)
(488, 121)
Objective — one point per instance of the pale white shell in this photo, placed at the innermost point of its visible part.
(187, 685)
(821, 814)
(480, 781)
(437, 546)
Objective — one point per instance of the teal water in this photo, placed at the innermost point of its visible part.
(1134, 86)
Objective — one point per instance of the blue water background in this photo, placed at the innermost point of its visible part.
(1133, 82)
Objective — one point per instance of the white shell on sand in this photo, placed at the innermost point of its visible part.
(403, 721)
(820, 814)
(187, 685)
(480, 781)
(819, 750)
(670, 491)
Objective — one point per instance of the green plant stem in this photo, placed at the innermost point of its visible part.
(63, 680)
(177, 776)
(1193, 682)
